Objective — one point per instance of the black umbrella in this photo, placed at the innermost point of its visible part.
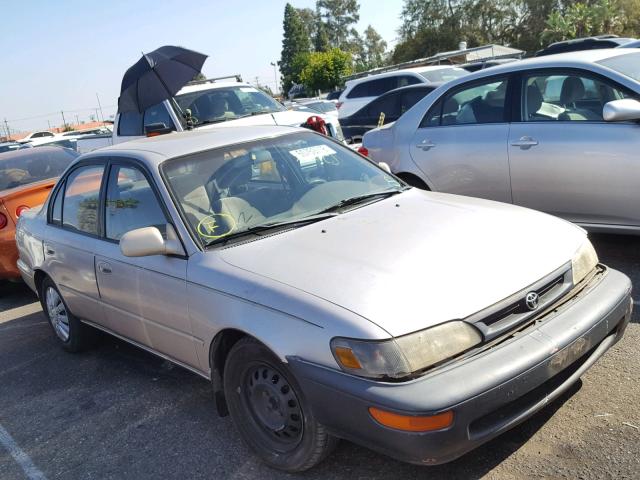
(158, 76)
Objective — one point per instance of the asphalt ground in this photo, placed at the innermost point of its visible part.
(117, 412)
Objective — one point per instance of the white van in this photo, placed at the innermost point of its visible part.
(360, 91)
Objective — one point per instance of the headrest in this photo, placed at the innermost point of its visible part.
(572, 90)
(534, 99)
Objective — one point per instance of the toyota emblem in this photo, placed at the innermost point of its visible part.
(531, 300)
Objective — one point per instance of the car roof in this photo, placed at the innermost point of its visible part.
(33, 152)
(200, 87)
(429, 68)
(579, 59)
(415, 86)
(176, 144)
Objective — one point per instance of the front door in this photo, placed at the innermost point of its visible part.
(144, 298)
(565, 159)
(461, 144)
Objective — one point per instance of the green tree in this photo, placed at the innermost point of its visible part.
(584, 19)
(294, 43)
(339, 16)
(309, 19)
(321, 39)
(374, 49)
(324, 70)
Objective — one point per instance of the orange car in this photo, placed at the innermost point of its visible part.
(26, 178)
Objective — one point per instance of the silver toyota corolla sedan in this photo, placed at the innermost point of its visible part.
(558, 134)
(322, 297)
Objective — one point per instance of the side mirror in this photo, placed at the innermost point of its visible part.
(147, 241)
(155, 129)
(621, 110)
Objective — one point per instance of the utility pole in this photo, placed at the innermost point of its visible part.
(77, 121)
(100, 106)
(64, 122)
(49, 123)
(257, 82)
(275, 75)
(6, 127)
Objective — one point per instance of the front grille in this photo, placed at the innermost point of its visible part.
(513, 311)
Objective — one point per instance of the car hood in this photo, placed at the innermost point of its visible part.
(416, 259)
(288, 118)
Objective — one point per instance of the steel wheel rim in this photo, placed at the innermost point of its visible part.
(274, 406)
(57, 312)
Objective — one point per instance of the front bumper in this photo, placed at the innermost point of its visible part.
(489, 393)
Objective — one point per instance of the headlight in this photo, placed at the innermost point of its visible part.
(402, 356)
(583, 261)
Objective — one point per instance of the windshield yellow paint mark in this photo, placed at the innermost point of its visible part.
(216, 226)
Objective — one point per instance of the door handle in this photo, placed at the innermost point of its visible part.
(104, 268)
(524, 143)
(426, 145)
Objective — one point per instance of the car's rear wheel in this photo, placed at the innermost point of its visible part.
(270, 411)
(73, 335)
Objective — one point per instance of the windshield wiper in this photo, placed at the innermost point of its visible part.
(360, 198)
(256, 229)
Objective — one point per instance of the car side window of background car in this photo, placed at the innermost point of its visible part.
(565, 97)
(410, 98)
(390, 105)
(81, 198)
(130, 124)
(131, 203)
(478, 104)
(158, 114)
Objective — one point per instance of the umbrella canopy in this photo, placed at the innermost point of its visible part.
(158, 76)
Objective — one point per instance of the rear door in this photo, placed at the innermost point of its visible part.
(461, 143)
(72, 232)
(144, 298)
(565, 159)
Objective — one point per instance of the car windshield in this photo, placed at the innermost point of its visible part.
(628, 65)
(444, 74)
(26, 166)
(298, 177)
(227, 103)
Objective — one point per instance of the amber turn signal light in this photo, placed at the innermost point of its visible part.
(409, 423)
(347, 358)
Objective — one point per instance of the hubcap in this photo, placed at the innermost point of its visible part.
(57, 313)
(274, 405)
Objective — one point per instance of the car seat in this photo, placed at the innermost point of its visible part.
(573, 91)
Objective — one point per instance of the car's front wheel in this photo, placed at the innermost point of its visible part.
(73, 335)
(270, 411)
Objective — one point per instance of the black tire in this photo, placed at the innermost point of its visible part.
(270, 411)
(412, 181)
(73, 335)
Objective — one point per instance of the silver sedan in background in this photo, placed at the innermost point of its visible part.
(322, 297)
(558, 134)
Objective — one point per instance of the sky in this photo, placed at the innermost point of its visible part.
(56, 56)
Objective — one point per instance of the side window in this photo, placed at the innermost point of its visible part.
(130, 124)
(360, 90)
(56, 210)
(131, 203)
(382, 85)
(390, 105)
(478, 104)
(81, 198)
(404, 80)
(566, 97)
(158, 114)
(409, 99)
